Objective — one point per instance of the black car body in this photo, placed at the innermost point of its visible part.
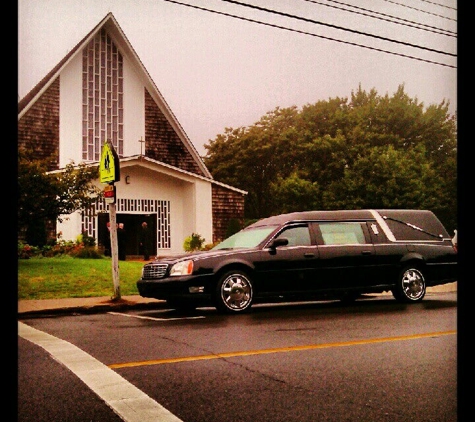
(310, 255)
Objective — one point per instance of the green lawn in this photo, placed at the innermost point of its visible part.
(63, 277)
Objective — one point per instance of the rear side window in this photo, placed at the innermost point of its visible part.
(407, 230)
(342, 233)
(414, 224)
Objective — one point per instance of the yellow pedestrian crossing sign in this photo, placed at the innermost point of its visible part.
(109, 166)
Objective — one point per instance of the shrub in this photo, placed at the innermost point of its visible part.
(85, 239)
(61, 247)
(83, 251)
(193, 243)
(83, 247)
(25, 251)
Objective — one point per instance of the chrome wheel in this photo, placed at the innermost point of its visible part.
(234, 292)
(411, 286)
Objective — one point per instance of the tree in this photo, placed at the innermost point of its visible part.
(47, 196)
(294, 194)
(368, 150)
(385, 178)
(254, 156)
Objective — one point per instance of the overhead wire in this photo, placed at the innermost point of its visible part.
(388, 18)
(438, 4)
(420, 10)
(311, 34)
(288, 15)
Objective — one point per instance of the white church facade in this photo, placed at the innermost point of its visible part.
(100, 91)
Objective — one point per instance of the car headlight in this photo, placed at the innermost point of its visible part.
(182, 268)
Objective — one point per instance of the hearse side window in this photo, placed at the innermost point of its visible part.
(342, 233)
(297, 236)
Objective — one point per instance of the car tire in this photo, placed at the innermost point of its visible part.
(411, 285)
(234, 292)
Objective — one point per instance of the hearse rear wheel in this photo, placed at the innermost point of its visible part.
(411, 285)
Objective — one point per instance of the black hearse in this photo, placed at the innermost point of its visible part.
(307, 256)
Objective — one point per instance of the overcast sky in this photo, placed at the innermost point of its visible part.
(217, 71)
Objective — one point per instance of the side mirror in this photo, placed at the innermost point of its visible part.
(281, 241)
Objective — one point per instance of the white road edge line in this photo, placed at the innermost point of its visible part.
(154, 319)
(126, 400)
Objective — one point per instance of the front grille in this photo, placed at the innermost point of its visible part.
(154, 271)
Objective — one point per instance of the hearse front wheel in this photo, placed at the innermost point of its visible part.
(411, 285)
(234, 292)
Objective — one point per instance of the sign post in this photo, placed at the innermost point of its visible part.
(109, 173)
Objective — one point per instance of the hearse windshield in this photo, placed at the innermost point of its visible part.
(247, 238)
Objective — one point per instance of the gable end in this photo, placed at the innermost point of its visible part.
(38, 128)
(161, 141)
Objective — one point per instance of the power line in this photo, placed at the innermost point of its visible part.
(263, 9)
(309, 33)
(438, 4)
(408, 23)
(420, 10)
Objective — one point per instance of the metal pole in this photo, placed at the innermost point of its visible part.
(114, 251)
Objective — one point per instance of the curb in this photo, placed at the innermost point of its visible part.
(91, 309)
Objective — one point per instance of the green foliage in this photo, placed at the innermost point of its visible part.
(294, 194)
(86, 240)
(45, 196)
(193, 243)
(385, 178)
(365, 151)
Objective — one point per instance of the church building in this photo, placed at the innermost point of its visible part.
(101, 92)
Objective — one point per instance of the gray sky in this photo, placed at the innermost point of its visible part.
(216, 71)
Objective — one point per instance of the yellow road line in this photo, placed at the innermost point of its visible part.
(279, 350)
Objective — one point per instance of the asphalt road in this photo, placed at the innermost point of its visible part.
(371, 361)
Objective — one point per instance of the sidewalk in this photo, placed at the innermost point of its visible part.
(31, 308)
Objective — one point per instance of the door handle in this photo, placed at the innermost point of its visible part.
(366, 253)
(309, 255)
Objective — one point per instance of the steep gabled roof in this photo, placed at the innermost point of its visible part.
(114, 30)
